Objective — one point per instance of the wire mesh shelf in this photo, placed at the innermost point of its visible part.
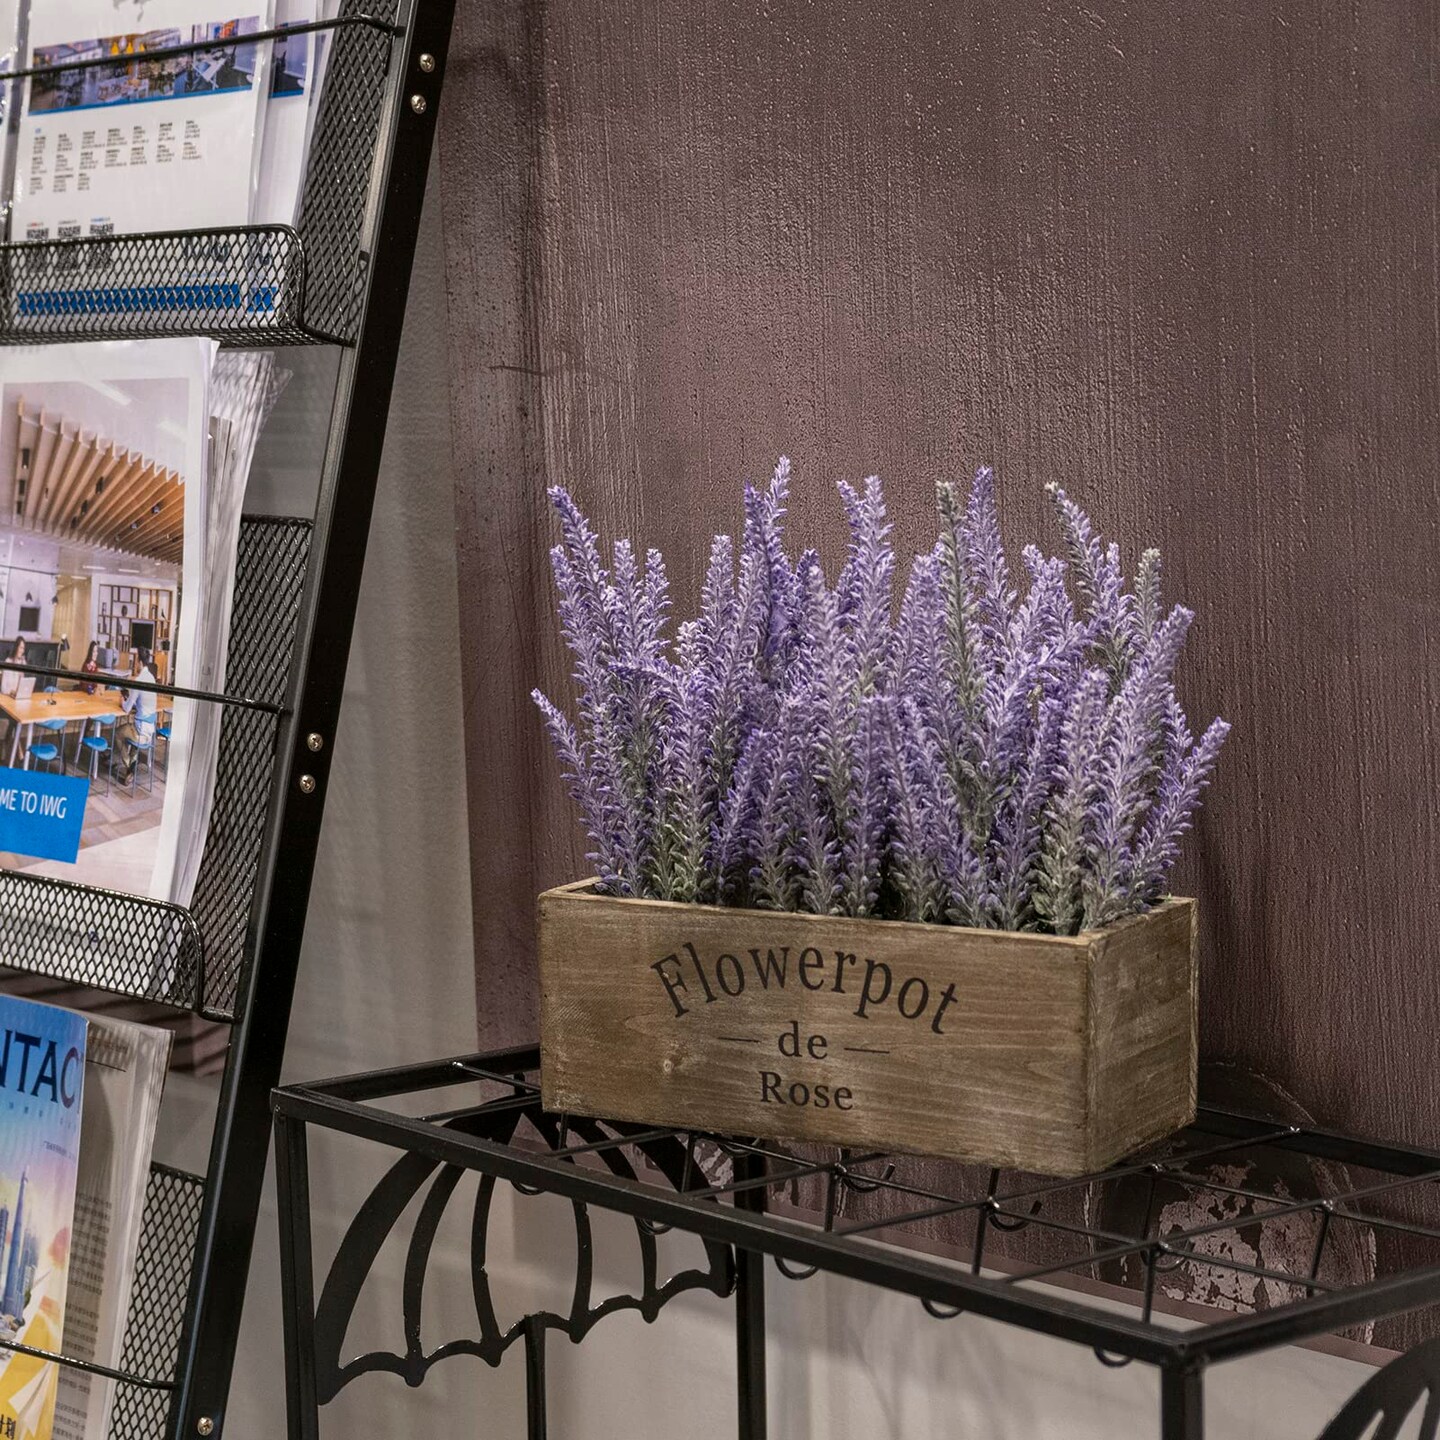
(148, 949)
(250, 286)
(150, 1354)
(1234, 1236)
(269, 580)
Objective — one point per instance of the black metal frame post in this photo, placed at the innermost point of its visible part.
(536, 1423)
(242, 1133)
(292, 1179)
(751, 1376)
(1182, 1402)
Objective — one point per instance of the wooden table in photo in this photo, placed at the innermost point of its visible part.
(57, 705)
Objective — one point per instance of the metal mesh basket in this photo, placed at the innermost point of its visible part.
(244, 286)
(255, 285)
(156, 1320)
(146, 948)
(269, 578)
(339, 168)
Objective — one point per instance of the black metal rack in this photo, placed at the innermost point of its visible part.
(340, 276)
(851, 1210)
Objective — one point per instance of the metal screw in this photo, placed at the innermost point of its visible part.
(417, 104)
(315, 741)
(205, 1425)
(427, 63)
(307, 787)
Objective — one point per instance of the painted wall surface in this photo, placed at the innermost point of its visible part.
(1183, 261)
(25, 590)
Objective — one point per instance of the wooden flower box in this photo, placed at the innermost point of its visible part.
(1037, 1052)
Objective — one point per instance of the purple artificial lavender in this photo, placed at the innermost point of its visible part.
(1019, 824)
(991, 758)
(684, 804)
(775, 881)
(1076, 774)
(815, 852)
(863, 839)
(1110, 611)
(763, 538)
(1181, 785)
(864, 600)
(1147, 597)
(988, 572)
(1133, 737)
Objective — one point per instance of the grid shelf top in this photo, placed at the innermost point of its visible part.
(1147, 1226)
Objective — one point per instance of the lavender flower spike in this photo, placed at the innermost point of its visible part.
(1102, 586)
(863, 844)
(985, 557)
(864, 590)
(1133, 733)
(1063, 848)
(1180, 791)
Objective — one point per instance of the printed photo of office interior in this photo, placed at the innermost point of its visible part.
(91, 546)
(138, 75)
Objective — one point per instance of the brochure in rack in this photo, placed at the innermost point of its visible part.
(139, 144)
(42, 1083)
(104, 519)
(125, 1068)
(282, 157)
(244, 387)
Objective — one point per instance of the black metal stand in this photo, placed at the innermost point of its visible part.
(716, 1187)
(340, 276)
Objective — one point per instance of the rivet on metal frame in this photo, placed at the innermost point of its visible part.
(418, 104)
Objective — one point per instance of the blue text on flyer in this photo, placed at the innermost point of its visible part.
(41, 814)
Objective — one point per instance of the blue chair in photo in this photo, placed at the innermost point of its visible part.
(103, 724)
(56, 732)
(98, 745)
(44, 753)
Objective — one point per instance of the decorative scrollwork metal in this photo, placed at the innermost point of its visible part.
(1392, 1396)
(388, 1201)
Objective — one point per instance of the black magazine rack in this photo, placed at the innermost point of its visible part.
(340, 277)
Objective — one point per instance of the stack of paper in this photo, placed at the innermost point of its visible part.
(107, 563)
(182, 123)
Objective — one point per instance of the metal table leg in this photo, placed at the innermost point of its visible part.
(297, 1277)
(750, 1313)
(536, 1424)
(1182, 1412)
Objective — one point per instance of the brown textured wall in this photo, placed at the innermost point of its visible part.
(1182, 258)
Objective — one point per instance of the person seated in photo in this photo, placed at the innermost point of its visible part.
(135, 729)
(10, 685)
(91, 665)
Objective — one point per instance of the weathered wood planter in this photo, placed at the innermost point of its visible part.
(1044, 1053)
